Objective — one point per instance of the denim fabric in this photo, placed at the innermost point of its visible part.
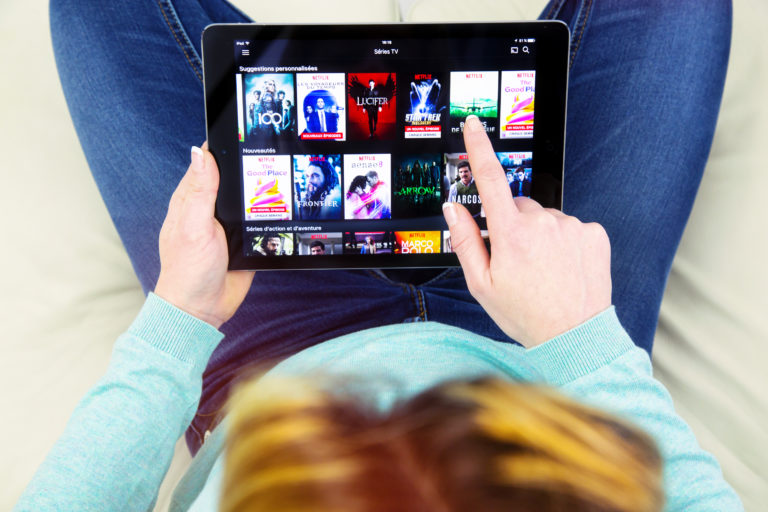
(645, 87)
(643, 97)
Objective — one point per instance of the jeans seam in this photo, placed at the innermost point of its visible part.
(415, 294)
(446, 273)
(552, 10)
(416, 299)
(422, 309)
(581, 25)
(378, 276)
(198, 437)
(178, 31)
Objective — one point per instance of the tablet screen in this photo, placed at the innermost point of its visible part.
(337, 146)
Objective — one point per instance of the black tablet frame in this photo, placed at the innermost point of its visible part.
(461, 44)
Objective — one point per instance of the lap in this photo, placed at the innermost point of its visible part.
(641, 114)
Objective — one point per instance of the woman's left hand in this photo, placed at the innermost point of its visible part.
(193, 249)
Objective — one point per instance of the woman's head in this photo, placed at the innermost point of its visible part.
(482, 445)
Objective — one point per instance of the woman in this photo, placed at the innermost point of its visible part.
(634, 78)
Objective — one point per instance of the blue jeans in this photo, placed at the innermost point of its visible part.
(645, 86)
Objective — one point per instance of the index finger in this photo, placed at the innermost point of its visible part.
(486, 170)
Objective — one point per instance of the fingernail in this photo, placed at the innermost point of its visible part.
(198, 161)
(473, 124)
(449, 211)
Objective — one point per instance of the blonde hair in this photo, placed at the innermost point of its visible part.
(483, 445)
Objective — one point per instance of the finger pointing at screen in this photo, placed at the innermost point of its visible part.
(548, 272)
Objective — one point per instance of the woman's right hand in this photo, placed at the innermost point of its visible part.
(548, 272)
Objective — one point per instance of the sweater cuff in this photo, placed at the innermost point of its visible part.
(178, 334)
(582, 350)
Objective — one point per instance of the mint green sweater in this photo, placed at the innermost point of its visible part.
(118, 444)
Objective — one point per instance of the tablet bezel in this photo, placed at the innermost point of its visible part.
(552, 41)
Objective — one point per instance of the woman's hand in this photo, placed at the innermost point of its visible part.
(193, 249)
(548, 272)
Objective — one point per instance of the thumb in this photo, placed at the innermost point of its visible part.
(468, 245)
(202, 184)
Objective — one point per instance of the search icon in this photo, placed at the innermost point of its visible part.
(525, 49)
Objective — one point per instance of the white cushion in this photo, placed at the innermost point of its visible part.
(711, 347)
(67, 287)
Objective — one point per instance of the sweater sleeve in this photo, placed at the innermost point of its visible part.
(119, 442)
(598, 363)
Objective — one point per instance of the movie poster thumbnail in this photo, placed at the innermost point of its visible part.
(242, 105)
(517, 95)
(417, 186)
(447, 247)
(372, 105)
(427, 105)
(417, 242)
(461, 185)
(317, 187)
(319, 244)
(267, 187)
(518, 167)
(474, 92)
(270, 108)
(270, 244)
(368, 242)
(321, 100)
(367, 186)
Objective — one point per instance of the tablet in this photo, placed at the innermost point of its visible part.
(337, 145)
